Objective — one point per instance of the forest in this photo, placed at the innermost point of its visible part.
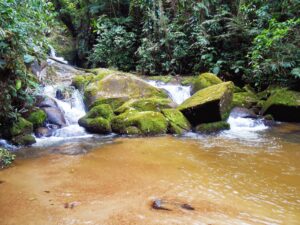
(247, 41)
(149, 112)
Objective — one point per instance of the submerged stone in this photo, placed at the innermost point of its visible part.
(208, 105)
(212, 127)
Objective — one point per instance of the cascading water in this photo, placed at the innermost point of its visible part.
(240, 128)
(177, 92)
(73, 109)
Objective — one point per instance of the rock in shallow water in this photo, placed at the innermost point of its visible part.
(283, 105)
(208, 105)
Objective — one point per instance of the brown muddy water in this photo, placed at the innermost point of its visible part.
(227, 179)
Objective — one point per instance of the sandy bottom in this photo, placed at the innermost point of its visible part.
(117, 183)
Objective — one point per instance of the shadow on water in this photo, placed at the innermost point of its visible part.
(75, 146)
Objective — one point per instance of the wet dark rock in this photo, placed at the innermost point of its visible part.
(59, 94)
(187, 207)
(43, 132)
(47, 102)
(242, 113)
(55, 116)
(158, 205)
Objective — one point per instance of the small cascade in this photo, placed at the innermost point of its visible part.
(177, 92)
(55, 57)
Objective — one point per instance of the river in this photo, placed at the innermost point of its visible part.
(247, 175)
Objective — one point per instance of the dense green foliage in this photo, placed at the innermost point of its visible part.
(246, 40)
(23, 25)
(6, 158)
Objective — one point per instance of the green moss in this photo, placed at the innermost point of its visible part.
(103, 110)
(98, 125)
(189, 80)
(37, 118)
(24, 139)
(177, 123)
(212, 127)
(120, 85)
(244, 99)
(283, 97)
(97, 120)
(165, 79)
(113, 102)
(145, 104)
(205, 80)
(6, 158)
(22, 126)
(147, 123)
(209, 94)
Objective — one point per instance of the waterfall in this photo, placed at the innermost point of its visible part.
(177, 92)
(54, 56)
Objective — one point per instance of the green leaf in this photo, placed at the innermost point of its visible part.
(28, 58)
(18, 84)
(296, 72)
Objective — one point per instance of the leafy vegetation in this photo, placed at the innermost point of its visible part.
(246, 41)
(6, 158)
(23, 25)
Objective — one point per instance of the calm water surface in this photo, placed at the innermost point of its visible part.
(240, 177)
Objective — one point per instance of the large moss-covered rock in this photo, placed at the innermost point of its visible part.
(120, 85)
(205, 80)
(37, 118)
(97, 125)
(244, 99)
(145, 123)
(177, 123)
(283, 105)
(82, 80)
(146, 104)
(212, 127)
(21, 127)
(26, 139)
(113, 102)
(208, 105)
(97, 120)
(20, 132)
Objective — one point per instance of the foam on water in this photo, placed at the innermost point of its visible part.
(177, 92)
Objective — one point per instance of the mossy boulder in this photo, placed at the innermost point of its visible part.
(205, 80)
(244, 99)
(103, 110)
(208, 105)
(177, 123)
(21, 131)
(119, 85)
(82, 80)
(146, 104)
(21, 127)
(212, 127)
(283, 105)
(97, 120)
(26, 139)
(37, 118)
(145, 123)
(113, 102)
